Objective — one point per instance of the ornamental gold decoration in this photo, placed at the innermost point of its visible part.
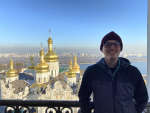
(11, 72)
(42, 66)
(71, 72)
(50, 56)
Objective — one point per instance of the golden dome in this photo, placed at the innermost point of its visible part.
(50, 41)
(42, 66)
(32, 66)
(31, 58)
(41, 52)
(50, 56)
(75, 66)
(11, 72)
(71, 72)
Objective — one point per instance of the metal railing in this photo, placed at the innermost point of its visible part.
(26, 106)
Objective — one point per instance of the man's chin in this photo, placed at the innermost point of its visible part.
(113, 58)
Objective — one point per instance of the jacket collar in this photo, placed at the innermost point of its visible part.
(122, 63)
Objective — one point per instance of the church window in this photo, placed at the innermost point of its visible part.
(44, 79)
(39, 79)
(52, 72)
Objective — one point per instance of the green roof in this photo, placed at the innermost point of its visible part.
(62, 69)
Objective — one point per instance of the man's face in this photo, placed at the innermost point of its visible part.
(111, 53)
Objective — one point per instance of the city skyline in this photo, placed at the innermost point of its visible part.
(76, 26)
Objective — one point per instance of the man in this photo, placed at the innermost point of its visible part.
(117, 86)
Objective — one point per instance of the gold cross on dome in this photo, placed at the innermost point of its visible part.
(49, 32)
(11, 55)
(41, 44)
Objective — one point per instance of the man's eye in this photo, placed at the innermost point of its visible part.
(116, 43)
(107, 43)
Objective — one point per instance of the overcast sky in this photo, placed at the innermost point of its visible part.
(76, 25)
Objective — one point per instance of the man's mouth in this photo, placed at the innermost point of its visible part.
(111, 52)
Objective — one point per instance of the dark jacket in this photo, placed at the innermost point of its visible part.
(124, 93)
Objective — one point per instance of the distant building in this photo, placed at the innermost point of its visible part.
(82, 54)
(139, 55)
(5, 55)
(1, 55)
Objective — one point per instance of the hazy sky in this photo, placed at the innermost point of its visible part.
(75, 24)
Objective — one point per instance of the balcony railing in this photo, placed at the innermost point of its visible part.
(26, 106)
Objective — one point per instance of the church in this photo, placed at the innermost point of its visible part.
(42, 81)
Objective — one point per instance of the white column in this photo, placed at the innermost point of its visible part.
(148, 49)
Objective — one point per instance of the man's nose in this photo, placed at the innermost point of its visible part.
(112, 46)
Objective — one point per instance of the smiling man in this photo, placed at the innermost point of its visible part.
(117, 86)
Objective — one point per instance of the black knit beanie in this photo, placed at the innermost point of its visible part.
(111, 36)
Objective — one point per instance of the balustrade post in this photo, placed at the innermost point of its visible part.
(59, 110)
